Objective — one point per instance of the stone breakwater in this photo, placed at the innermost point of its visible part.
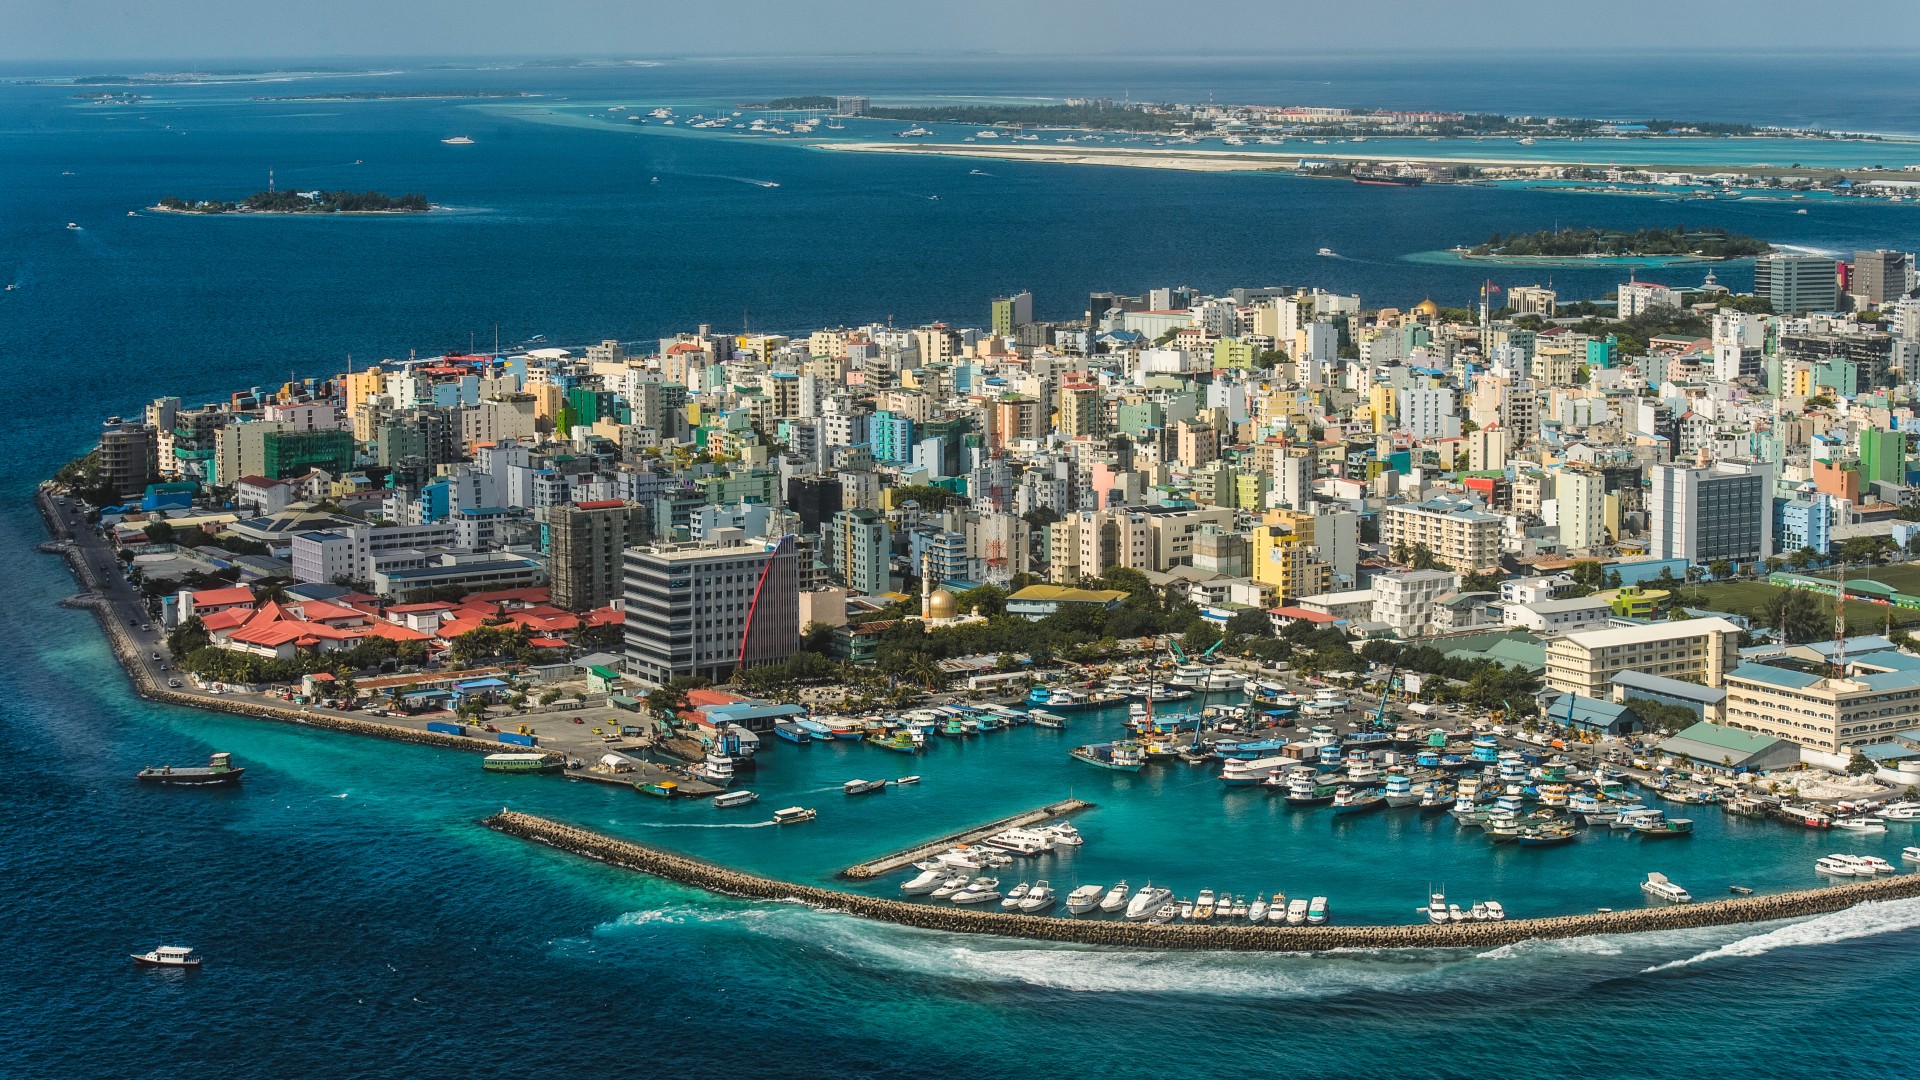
(127, 651)
(876, 867)
(719, 879)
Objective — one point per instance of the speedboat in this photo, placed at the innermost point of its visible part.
(906, 780)
(861, 787)
(1147, 901)
(1015, 895)
(1038, 899)
(1115, 899)
(1083, 899)
(1911, 854)
(980, 890)
(1660, 888)
(1860, 825)
(1325, 253)
(1257, 911)
(167, 956)
(1277, 907)
(950, 886)
(924, 882)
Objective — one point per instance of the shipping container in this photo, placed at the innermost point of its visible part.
(445, 728)
(518, 739)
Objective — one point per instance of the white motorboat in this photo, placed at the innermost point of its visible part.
(1257, 911)
(1277, 907)
(1062, 834)
(1870, 864)
(1494, 911)
(950, 886)
(1860, 825)
(924, 882)
(1454, 914)
(1147, 901)
(1116, 898)
(1836, 866)
(1038, 899)
(1899, 811)
(1297, 912)
(1325, 253)
(1660, 888)
(1014, 896)
(1479, 912)
(1186, 909)
(1317, 911)
(1203, 905)
(1437, 908)
(1911, 854)
(1083, 899)
(980, 890)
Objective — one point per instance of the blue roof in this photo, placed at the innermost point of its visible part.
(481, 684)
(733, 714)
(1678, 688)
(1891, 680)
(1891, 659)
(1777, 676)
(1865, 644)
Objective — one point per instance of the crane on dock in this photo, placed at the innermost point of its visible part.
(1386, 691)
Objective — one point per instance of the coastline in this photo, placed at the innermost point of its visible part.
(243, 212)
(686, 870)
(127, 652)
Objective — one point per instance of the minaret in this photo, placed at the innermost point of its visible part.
(926, 585)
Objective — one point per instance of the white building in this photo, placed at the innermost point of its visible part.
(1405, 601)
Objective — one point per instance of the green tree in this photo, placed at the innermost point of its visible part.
(1252, 622)
(1796, 615)
(1720, 568)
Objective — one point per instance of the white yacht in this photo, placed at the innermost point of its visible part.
(1147, 901)
(1277, 907)
(1494, 911)
(1658, 887)
(1836, 866)
(1297, 912)
(1083, 899)
(924, 882)
(1014, 896)
(951, 885)
(1257, 911)
(1115, 899)
(1317, 911)
(1203, 905)
(1860, 825)
(1021, 842)
(1437, 908)
(980, 890)
(1864, 865)
(1038, 899)
(1900, 811)
(1911, 854)
(1062, 834)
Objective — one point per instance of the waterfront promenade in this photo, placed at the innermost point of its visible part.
(705, 875)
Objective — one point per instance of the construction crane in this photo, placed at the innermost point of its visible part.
(1386, 690)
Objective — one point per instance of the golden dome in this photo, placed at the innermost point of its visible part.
(942, 605)
(1426, 307)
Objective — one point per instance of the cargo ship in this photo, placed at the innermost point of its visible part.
(219, 770)
(1387, 179)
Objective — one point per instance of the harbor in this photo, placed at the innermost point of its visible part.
(902, 859)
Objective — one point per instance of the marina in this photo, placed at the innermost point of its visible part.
(899, 860)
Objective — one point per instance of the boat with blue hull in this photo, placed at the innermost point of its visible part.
(792, 732)
(1120, 756)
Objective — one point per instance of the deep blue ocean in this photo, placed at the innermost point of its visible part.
(359, 923)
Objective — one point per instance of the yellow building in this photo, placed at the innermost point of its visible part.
(1833, 715)
(358, 386)
(1697, 650)
(1286, 558)
(1633, 602)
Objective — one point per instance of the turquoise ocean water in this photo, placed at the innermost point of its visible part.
(361, 923)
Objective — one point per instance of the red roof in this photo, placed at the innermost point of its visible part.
(238, 594)
(1305, 615)
(599, 504)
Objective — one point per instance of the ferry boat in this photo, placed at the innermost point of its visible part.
(793, 815)
(1399, 791)
(812, 726)
(1084, 899)
(1071, 700)
(532, 762)
(219, 770)
(717, 769)
(1044, 719)
(1021, 842)
(1038, 695)
(861, 787)
(1660, 888)
(1806, 817)
(1303, 788)
(792, 732)
(167, 956)
(1297, 912)
(1859, 825)
(1899, 811)
(728, 800)
(1317, 911)
(1120, 756)
(1247, 772)
(953, 727)
(1834, 866)
(1356, 801)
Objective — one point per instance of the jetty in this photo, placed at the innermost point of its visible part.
(719, 879)
(889, 863)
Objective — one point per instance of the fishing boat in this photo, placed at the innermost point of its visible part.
(1666, 826)
(1660, 887)
(1123, 756)
(900, 742)
(816, 728)
(1038, 695)
(220, 770)
(167, 956)
(1083, 899)
(792, 732)
(1349, 800)
(1317, 911)
(793, 815)
(661, 789)
(730, 799)
(1303, 788)
(1546, 835)
(1147, 901)
(1399, 791)
(1257, 748)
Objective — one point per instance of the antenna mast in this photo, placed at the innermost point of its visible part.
(1839, 658)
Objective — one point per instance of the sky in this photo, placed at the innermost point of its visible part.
(187, 31)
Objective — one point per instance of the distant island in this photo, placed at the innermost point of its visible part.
(401, 95)
(811, 101)
(1679, 240)
(302, 202)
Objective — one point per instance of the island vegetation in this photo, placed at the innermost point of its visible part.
(400, 95)
(1103, 117)
(805, 101)
(303, 202)
(1707, 243)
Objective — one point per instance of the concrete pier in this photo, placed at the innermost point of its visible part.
(706, 875)
(889, 863)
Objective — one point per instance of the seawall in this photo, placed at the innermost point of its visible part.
(705, 875)
(127, 651)
(887, 864)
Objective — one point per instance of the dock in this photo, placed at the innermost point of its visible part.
(890, 863)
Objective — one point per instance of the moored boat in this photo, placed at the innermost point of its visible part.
(1122, 756)
(518, 763)
(1115, 899)
(220, 770)
(729, 799)
(1316, 911)
(1357, 801)
(167, 956)
(1083, 899)
(1660, 887)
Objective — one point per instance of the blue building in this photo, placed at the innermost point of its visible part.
(892, 438)
(1804, 521)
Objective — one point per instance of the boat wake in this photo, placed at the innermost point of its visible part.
(705, 825)
(1864, 920)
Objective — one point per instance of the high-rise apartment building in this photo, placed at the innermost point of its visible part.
(1796, 284)
(586, 543)
(1010, 312)
(1879, 276)
(861, 543)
